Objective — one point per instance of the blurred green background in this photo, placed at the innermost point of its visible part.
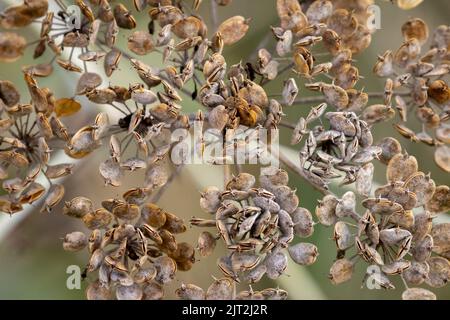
(33, 264)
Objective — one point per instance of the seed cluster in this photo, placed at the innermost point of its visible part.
(418, 82)
(256, 224)
(132, 246)
(132, 240)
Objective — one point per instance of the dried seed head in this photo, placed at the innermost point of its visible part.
(75, 241)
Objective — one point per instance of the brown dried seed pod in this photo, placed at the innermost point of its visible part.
(342, 236)
(423, 248)
(243, 181)
(415, 28)
(190, 292)
(54, 196)
(439, 91)
(9, 93)
(291, 15)
(417, 273)
(272, 177)
(233, 29)
(97, 291)
(220, 289)
(75, 241)
(422, 186)
(423, 223)
(174, 224)
(441, 238)
(184, 253)
(401, 167)
(132, 292)
(78, 207)
(439, 273)
(126, 211)
(341, 271)
(335, 96)
(140, 42)
(189, 27)
(153, 291)
(97, 219)
(319, 11)
(440, 202)
(418, 294)
(206, 243)
(88, 82)
(443, 134)
(364, 179)
(326, 210)
(303, 222)
(377, 113)
(12, 46)
(286, 198)
(153, 215)
(396, 267)
(303, 253)
(442, 157)
(112, 172)
(276, 264)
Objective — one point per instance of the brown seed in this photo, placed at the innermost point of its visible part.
(206, 243)
(415, 28)
(78, 207)
(441, 238)
(442, 157)
(303, 253)
(417, 273)
(97, 219)
(401, 167)
(190, 292)
(440, 202)
(54, 196)
(291, 15)
(140, 42)
(75, 241)
(439, 273)
(341, 271)
(326, 210)
(220, 289)
(418, 294)
(233, 29)
(12, 46)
